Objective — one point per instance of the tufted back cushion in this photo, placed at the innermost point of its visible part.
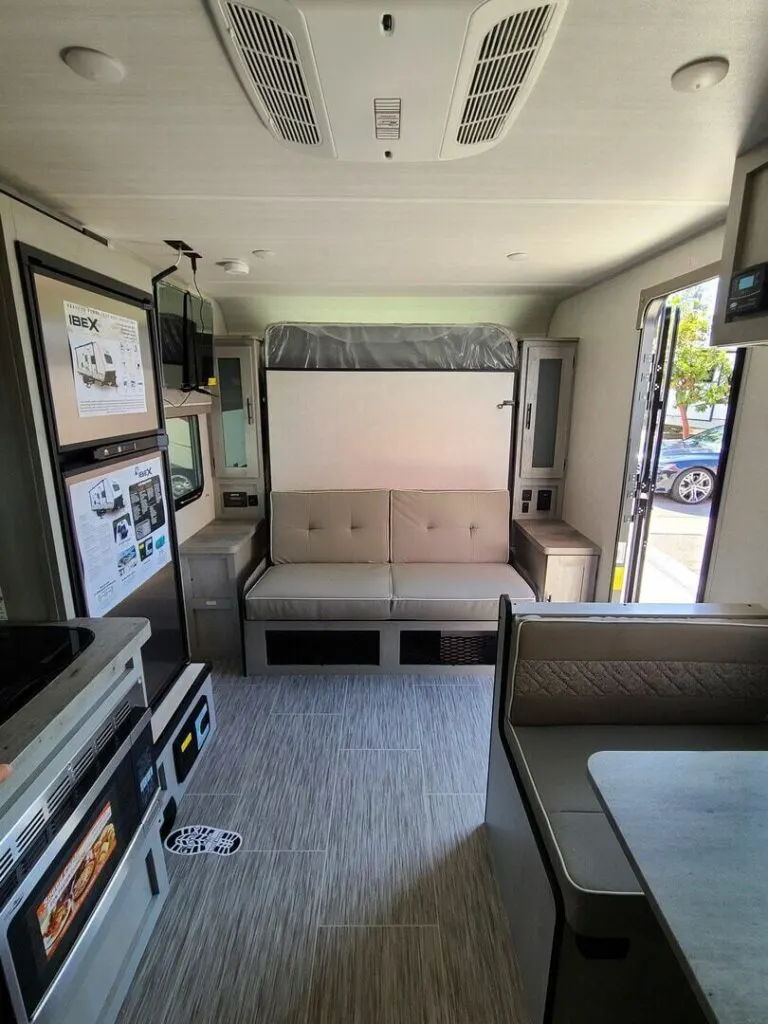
(330, 526)
(450, 526)
(642, 672)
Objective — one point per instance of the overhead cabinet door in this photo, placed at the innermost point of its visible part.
(547, 386)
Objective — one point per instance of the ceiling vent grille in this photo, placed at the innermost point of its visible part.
(507, 54)
(269, 54)
(386, 116)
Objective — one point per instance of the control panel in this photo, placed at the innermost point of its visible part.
(748, 293)
(537, 500)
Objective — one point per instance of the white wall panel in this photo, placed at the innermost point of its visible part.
(359, 429)
(739, 567)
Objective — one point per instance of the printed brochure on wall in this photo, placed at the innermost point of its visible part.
(121, 525)
(106, 361)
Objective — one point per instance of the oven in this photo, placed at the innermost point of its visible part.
(62, 864)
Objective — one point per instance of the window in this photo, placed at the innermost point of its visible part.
(186, 459)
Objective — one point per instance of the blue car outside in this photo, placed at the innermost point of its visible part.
(688, 468)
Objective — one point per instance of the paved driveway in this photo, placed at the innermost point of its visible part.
(675, 551)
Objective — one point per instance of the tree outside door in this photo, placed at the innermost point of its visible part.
(701, 376)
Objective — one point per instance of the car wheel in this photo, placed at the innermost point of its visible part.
(693, 486)
(180, 485)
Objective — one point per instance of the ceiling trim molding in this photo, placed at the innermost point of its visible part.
(179, 197)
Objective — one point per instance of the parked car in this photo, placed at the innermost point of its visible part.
(688, 468)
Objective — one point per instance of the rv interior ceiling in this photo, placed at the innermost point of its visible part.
(590, 176)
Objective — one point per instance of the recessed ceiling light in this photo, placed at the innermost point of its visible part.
(264, 254)
(700, 74)
(234, 267)
(93, 64)
(517, 256)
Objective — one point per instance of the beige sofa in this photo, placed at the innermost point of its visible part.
(357, 576)
(570, 682)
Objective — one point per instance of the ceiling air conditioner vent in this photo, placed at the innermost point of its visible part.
(269, 54)
(507, 54)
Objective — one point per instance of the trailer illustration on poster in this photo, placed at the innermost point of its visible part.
(121, 526)
(106, 361)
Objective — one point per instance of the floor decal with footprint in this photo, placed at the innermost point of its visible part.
(194, 839)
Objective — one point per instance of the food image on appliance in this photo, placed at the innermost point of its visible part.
(105, 844)
(59, 909)
(54, 925)
(83, 876)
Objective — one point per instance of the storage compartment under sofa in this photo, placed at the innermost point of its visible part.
(437, 647)
(322, 647)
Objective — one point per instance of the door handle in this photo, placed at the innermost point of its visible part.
(507, 401)
(249, 407)
(528, 416)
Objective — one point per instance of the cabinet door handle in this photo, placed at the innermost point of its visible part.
(249, 407)
(528, 416)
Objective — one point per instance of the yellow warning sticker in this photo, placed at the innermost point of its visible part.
(185, 742)
(618, 577)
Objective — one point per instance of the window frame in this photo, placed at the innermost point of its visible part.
(197, 461)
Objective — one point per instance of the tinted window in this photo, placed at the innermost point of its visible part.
(186, 459)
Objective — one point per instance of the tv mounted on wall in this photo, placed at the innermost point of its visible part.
(185, 323)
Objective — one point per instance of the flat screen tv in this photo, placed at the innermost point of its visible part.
(185, 323)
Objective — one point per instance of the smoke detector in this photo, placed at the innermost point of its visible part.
(348, 82)
(237, 268)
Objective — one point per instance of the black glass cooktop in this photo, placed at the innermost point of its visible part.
(31, 656)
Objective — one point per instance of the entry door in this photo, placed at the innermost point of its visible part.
(650, 404)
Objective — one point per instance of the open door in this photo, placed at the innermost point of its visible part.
(681, 424)
(666, 325)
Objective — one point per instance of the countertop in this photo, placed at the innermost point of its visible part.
(38, 730)
(695, 827)
(221, 537)
(556, 537)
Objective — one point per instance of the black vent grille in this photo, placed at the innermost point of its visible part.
(506, 56)
(433, 647)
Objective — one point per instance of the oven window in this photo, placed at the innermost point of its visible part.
(70, 884)
(64, 901)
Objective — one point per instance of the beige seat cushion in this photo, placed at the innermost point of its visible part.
(329, 591)
(450, 526)
(597, 881)
(330, 526)
(454, 592)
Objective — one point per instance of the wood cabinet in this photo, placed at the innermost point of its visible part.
(215, 563)
(547, 388)
(236, 431)
(559, 561)
(545, 394)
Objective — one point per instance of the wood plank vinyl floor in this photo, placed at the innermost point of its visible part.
(363, 892)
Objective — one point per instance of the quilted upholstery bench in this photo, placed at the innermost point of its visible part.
(381, 579)
(570, 684)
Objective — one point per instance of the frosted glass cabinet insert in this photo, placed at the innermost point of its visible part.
(235, 427)
(543, 422)
(546, 389)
